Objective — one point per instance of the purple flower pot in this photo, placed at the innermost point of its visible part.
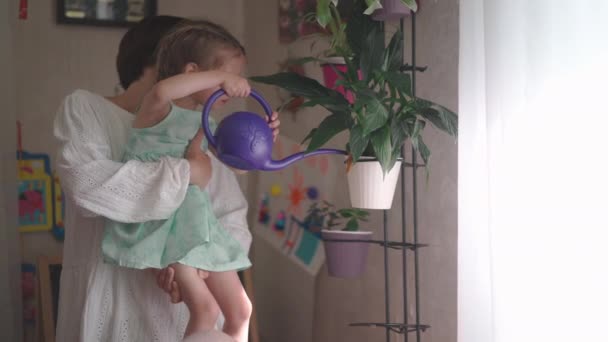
(345, 259)
(391, 10)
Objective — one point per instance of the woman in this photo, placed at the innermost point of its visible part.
(101, 302)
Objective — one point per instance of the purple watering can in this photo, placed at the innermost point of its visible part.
(243, 140)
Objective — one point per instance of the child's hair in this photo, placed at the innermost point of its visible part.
(202, 42)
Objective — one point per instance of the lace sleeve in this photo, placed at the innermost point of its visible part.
(229, 204)
(131, 192)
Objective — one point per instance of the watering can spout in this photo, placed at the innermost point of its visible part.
(274, 165)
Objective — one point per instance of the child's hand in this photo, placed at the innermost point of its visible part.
(274, 123)
(200, 162)
(236, 86)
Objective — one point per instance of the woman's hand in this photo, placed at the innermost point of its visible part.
(200, 162)
(165, 279)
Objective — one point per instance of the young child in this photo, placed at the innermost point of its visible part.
(193, 62)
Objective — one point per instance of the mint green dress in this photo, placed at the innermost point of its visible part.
(192, 235)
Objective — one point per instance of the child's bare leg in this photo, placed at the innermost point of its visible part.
(234, 302)
(203, 308)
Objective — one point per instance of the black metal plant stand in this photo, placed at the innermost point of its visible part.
(406, 248)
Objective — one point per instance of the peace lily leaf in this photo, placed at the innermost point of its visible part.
(358, 28)
(394, 53)
(418, 127)
(358, 142)
(310, 134)
(398, 133)
(302, 86)
(441, 117)
(328, 128)
(375, 115)
(372, 5)
(419, 145)
(330, 103)
(323, 12)
(381, 141)
(371, 55)
(401, 82)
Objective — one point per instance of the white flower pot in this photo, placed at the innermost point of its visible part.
(368, 188)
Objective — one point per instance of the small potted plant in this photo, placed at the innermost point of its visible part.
(338, 227)
(381, 115)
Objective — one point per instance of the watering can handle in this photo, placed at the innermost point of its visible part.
(214, 97)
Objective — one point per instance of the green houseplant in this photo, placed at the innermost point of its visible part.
(346, 258)
(380, 114)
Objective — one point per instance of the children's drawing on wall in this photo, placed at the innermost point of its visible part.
(41, 204)
(35, 192)
(282, 207)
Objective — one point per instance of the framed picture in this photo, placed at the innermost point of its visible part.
(104, 12)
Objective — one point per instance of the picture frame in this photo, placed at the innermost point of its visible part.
(117, 13)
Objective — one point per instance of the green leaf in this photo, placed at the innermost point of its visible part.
(398, 133)
(375, 116)
(309, 136)
(381, 141)
(358, 28)
(371, 55)
(419, 145)
(418, 127)
(411, 4)
(328, 128)
(393, 55)
(294, 83)
(323, 12)
(330, 103)
(352, 225)
(401, 82)
(441, 117)
(358, 142)
(372, 5)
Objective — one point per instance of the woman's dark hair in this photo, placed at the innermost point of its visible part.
(138, 46)
(202, 42)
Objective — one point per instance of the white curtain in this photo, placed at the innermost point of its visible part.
(533, 170)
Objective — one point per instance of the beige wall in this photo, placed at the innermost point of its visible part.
(10, 300)
(338, 302)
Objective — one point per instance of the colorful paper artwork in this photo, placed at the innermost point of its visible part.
(291, 232)
(35, 191)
